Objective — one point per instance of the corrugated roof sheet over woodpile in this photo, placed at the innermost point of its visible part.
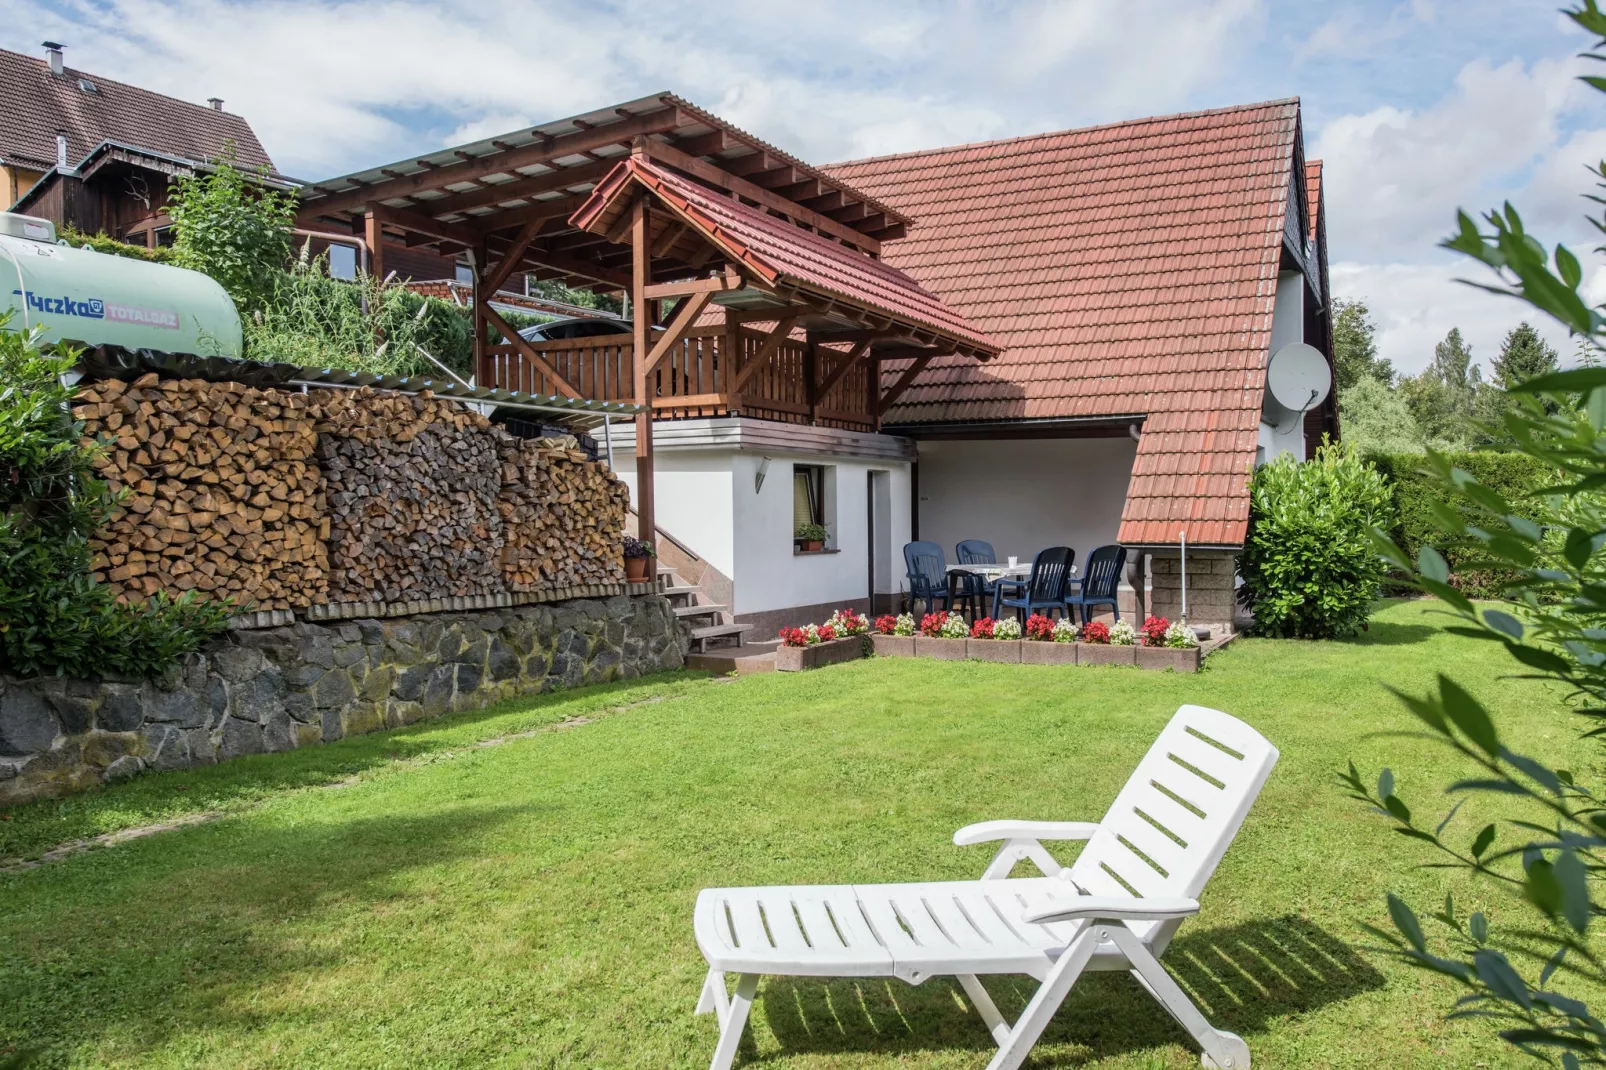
(778, 251)
(1126, 269)
(35, 104)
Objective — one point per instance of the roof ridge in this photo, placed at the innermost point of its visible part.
(1200, 113)
(99, 79)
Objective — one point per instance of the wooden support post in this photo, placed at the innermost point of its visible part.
(641, 323)
(374, 234)
(730, 362)
(477, 303)
(811, 380)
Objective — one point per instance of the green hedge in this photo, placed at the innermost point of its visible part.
(1515, 476)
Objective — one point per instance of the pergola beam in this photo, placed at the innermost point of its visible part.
(522, 187)
(660, 121)
(685, 316)
(526, 350)
(772, 342)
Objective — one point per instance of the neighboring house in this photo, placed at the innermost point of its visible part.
(1059, 339)
(1139, 276)
(95, 154)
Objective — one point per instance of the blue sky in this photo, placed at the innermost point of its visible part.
(1417, 107)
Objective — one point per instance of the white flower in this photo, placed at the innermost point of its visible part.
(811, 633)
(905, 625)
(1008, 628)
(1180, 637)
(955, 627)
(1123, 634)
(1064, 631)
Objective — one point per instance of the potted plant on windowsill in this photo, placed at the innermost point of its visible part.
(810, 538)
(638, 559)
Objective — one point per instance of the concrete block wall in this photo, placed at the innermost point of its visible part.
(1210, 586)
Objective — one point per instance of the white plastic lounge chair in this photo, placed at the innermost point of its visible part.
(1115, 908)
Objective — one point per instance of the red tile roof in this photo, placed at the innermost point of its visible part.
(35, 105)
(1313, 194)
(1127, 269)
(781, 253)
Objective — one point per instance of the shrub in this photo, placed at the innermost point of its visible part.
(1123, 634)
(1414, 492)
(102, 243)
(1040, 628)
(1309, 568)
(53, 617)
(1095, 631)
(234, 228)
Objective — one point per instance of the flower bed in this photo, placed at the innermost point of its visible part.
(1158, 644)
(842, 638)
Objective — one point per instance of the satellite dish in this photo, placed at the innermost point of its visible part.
(1297, 380)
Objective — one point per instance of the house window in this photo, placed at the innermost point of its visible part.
(342, 262)
(465, 274)
(813, 507)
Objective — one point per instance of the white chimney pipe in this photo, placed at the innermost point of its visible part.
(216, 103)
(53, 55)
(61, 151)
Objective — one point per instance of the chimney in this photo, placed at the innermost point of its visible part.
(61, 151)
(53, 54)
(215, 103)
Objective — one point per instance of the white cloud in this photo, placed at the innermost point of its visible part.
(1415, 305)
(333, 86)
(1395, 176)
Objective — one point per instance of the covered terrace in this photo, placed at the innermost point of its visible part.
(755, 281)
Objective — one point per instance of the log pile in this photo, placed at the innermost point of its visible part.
(412, 484)
(224, 494)
(563, 515)
(281, 499)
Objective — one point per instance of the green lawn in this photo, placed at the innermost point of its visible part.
(413, 899)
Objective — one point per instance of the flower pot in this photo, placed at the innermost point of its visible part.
(636, 569)
(893, 646)
(941, 649)
(1038, 652)
(798, 658)
(1105, 654)
(813, 546)
(1006, 651)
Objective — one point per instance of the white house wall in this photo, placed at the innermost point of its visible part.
(1287, 327)
(1022, 495)
(694, 502)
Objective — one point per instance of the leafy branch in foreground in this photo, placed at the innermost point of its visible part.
(1545, 851)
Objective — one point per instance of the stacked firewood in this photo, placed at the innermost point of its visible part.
(223, 494)
(563, 514)
(412, 485)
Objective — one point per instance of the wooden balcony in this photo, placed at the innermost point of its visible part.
(796, 383)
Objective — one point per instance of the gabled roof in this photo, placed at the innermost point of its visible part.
(1313, 194)
(1126, 269)
(35, 105)
(780, 254)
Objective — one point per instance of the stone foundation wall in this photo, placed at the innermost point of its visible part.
(1210, 586)
(274, 689)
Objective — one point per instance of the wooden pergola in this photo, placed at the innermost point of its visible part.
(777, 303)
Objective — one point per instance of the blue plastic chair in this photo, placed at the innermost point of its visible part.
(975, 589)
(928, 574)
(1100, 580)
(1043, 591)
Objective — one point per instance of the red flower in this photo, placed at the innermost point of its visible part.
(1153, 631)
(886, 624)
(1039, 627)
(982, 629)
(827, 633)
(793, 637)
(1096, 632)
(931, 625)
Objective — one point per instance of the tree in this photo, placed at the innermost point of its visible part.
(1523, 356)
(1376, 419)
(1548, 853)
(1443, 397)
(235, 229)
(1355, 346)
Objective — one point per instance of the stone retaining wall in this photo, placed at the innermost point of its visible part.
(253, 692)
(1211, 597)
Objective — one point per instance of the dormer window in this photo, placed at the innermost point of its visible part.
(87, 86)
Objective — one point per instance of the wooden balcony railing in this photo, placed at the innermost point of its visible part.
(696, 378)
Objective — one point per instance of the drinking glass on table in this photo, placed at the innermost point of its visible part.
(1013, 561)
